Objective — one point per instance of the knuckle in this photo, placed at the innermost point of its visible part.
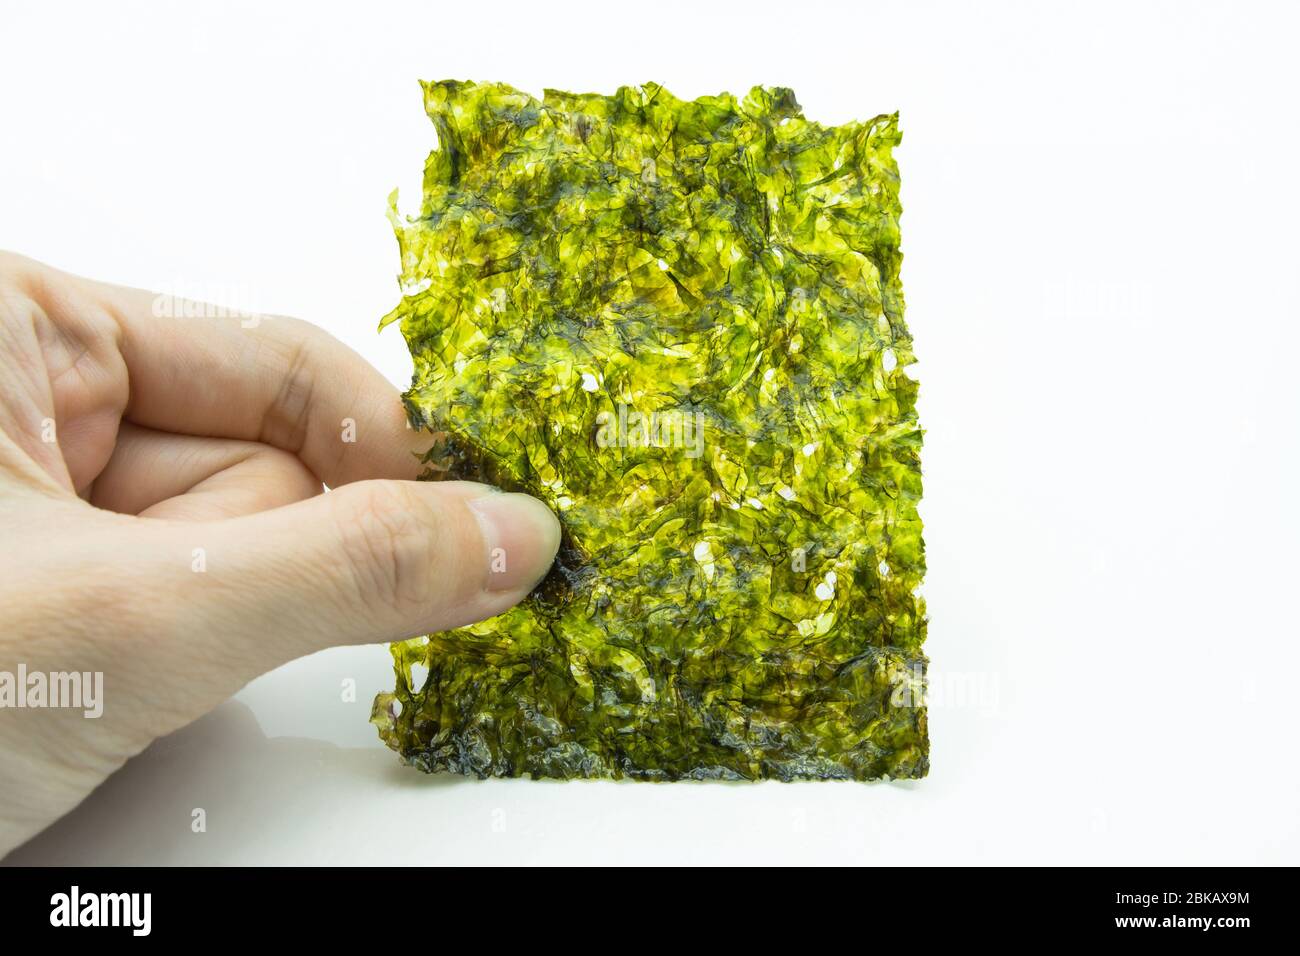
(16, 281)
(286, 423)
(391, 538)
(12, 265)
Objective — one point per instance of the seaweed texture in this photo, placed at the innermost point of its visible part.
(679, 324)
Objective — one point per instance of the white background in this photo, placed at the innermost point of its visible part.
(1100, 223)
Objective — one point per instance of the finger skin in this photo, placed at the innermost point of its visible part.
(283, 382)
(62, 378)
(111, 352)
(378, 561)
(162, 475)
(178, 616)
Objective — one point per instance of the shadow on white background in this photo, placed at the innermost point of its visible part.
(252, 790)
(286, 800)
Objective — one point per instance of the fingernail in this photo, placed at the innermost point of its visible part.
(522, 536)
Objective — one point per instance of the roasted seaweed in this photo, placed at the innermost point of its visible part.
(680, 324)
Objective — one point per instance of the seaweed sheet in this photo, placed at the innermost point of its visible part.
(680, 324)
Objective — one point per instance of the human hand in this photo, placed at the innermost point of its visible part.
(160, 499)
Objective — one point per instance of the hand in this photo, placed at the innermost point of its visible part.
(164, 526)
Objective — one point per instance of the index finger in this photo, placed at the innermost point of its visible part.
(276, 380)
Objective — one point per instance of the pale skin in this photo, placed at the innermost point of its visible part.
(164, 523)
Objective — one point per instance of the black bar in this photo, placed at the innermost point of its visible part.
(335, 905)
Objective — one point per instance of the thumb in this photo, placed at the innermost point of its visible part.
(370, 561)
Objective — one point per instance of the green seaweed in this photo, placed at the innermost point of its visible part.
(679, 324)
